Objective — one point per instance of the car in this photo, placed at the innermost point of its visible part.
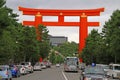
(43, 66)
(37, 66)
(93, 73)
(15, 71)
(82, 66)
(57, 65)
(48, 64)
(28, 66)
(104, 66)
(5, 73)
(114, 71)
(22, 69)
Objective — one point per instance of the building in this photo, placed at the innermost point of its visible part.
(57, 40)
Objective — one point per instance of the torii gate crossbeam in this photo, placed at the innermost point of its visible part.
(83, 24)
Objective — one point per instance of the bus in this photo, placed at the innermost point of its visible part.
(71, 64)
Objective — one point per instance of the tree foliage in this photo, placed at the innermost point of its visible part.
(104, 47)
(44, 42)
(19, 43)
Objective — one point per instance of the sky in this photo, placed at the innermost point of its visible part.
(71, 32)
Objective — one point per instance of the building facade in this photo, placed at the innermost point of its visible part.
(57, 40)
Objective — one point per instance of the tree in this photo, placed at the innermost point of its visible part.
(104, 47)
(2, 3)
(7, 17)
(44, 44)
(67, 48)
(7, 47)
(29, 47)
(92, 48)
(7, 29)
(111, 33)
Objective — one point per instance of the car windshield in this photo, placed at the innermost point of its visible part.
(94, 70)
(106, 67)
(26, 63)
(71, 61)
(117, 67)
(3, 68)
(19, 66)
(37, 64)
(11, 67)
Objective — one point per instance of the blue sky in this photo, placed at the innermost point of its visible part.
(71, 32)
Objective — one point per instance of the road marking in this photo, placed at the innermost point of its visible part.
(64, 75)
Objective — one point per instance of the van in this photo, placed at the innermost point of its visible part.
(114, 71)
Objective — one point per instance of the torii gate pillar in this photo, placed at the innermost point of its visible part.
(38, 20)
(83, 31)
(83, 24)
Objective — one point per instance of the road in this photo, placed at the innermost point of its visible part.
(53, 73)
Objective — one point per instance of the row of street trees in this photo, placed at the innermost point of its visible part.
(19, 43)
(104, 47)
(63, 50)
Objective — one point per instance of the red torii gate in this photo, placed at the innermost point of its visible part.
(83, 24)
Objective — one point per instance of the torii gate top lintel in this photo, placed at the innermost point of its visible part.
(56, 12)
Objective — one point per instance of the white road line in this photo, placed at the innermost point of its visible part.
(64, 75)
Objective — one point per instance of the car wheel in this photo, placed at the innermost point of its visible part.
(10, 78)
(112, 76)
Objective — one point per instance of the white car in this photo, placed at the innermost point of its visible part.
(57, 65)
(114, 71)
(28, 66)
(22, 69)
(37, 66)
(43, 66)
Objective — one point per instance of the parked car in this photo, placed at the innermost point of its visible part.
(82, 66)
(15, 71)
(104, 66)
(43, 66)
(22, 69)
(37, 66)
(57, 65)
(28, 66)
(5, 72)
(114, 71)
(48, 64)
(93, 73)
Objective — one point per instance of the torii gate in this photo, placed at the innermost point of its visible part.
(83, 24)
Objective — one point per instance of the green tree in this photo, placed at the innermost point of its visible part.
(7, 17)
(2, 3)
(7, 29)
(29, 47)
(92, 48)
(104, 47)
(52, 57)
(67, 48)
(44, 44)
(111, 33)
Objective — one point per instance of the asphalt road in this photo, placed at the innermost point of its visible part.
(53, 73)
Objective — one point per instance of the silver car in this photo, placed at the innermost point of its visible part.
(37, 66)
(93, 73)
